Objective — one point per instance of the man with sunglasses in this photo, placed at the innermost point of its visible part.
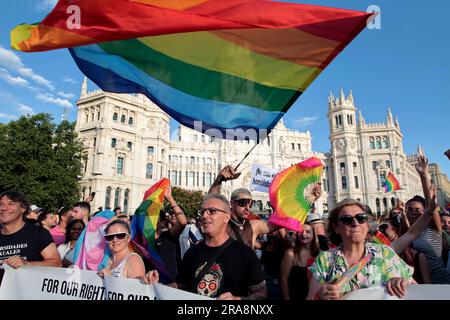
(219, 267)
(241, 202)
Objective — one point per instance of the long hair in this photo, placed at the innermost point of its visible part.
(333, 218)
(313, 246)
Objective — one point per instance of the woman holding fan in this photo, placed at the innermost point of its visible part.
(355, 263)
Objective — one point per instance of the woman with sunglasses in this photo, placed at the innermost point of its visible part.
(123, 263)
(348, 228)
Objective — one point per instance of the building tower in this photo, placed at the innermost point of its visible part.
(344, 140)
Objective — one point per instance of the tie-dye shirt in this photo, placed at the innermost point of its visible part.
(385, 264)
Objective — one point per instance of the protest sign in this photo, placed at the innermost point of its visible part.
(413, 292)
(262, 178)
(48, 283)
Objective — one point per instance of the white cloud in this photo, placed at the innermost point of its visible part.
(52, 99)
(69, 80)
(45, 5)
(304, 122)
(24, 109)
(7, 116)
(9, 60)
(66, 95)
(15, 81)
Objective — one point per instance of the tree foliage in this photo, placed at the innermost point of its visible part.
(189, 201)
(41, 159)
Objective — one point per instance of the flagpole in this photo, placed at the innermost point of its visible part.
(248, 153)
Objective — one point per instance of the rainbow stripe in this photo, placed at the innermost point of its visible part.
(143, 225)
(391, 184)
(352, 271)
(287, 193)
(235, 64)
(380, 238)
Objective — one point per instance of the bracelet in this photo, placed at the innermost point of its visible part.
(175, 206)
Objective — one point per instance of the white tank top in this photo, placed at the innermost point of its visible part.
(119, 271)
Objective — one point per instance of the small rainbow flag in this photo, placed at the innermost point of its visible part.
(380, 238)
(352, 271)
(391, 184)
(143, 226)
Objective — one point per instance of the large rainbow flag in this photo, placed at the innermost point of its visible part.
(391, 184)
(143, 227)
(234, 64)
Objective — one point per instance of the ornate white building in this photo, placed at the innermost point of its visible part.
(129, 147)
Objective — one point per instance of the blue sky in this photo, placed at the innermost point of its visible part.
(404, 65)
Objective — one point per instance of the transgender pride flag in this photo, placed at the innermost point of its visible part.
(91, 250)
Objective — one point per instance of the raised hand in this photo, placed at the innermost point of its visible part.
(228, 173)
(422, 165)
(168, 192)
(432, 204)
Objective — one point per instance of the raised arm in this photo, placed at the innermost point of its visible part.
(181, 220)
(285, 270)
(225, 174)
(416, 229)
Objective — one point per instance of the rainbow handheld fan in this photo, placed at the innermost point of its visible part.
(291, 193)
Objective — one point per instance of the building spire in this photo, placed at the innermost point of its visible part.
(389, 117)
(84, 88)
(342, 96)
(361, 120)
(397, 123)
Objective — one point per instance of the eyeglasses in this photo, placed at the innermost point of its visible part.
(245, 202)
(414, 209)
(210, 211)
(348, 220)
(118, 236)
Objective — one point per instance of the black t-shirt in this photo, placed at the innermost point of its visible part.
(167, 247)
(234, 271)
(28, 243)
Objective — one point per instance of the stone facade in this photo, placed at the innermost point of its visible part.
(129, 147)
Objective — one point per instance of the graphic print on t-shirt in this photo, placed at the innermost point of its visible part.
(209, 285)
(12, 250)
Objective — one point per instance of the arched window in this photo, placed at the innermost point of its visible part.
(191, 179)
(393, 202)
(130, 121)
(342, 167)
(344, 182)
(382, 179)
(122, 118)
(179, 178)
(378, 142)
(86, 119)
(203, 179)
(385, 143)
(356, 182)
(115, 116)
(388, 163)
(196, 179)
(113, 142)
(208, 179)
(385, 205)
(149, 171)
(119, 165)
(371, 143)
(173, 177)
(129, 145)
(150, 150)
(374, 165)
(108, 198)
(116, 197)
(126, 200)
(377, 202)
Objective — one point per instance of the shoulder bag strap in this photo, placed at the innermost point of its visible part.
(217, 254)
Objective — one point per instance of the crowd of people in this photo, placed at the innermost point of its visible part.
(215, 253)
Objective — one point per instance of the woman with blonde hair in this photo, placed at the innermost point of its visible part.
(123, 263)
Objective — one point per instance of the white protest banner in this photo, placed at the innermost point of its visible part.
(47, 283)
(413, 292)
(262, 178)
(168, 293)
(128, 289)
